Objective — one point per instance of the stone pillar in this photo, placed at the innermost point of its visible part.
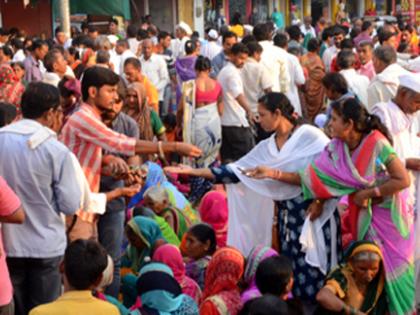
(64, 11)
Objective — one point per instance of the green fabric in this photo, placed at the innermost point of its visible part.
(401, 290)
(167, 231)
(181, 220)
(97, 7)
(157, 124)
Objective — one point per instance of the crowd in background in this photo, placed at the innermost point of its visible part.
(263, 169)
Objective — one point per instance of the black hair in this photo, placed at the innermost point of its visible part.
(202, 64)
(17, 43)
(122, 42)
(366, 43)
(227, 35)
(50, 58)
(236, 19)
(275, 100)
(163, 35)
(132, 31)
(204, 232)
(135, 62)
(403, 47)
(248, 39)
(254, 47)
(352, 109)
(97, 77)
(267, 304)
(19, 64)
(4, 32)
(355, 32)
(366, 25)
(326, 33)
(313, 45)
(273, 274)
(169, 120)
(115, 21)
(58, 29)
(102, 56)
(386, 54)
(384, 35)
(38, 44)
(84, 263)
(346, 59)
(8, 113)
(294, 32)
(92, 29)
(262, 32)
(239, 48)
(338, 30)
(73, 52)
(38, 99)
(346, 43)
(7, 51)
(335, 82)
(190, 47)
(64, 92)
(295, 50)
(280, 40)
(142, 34)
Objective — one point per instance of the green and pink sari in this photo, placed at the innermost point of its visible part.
(387, 221)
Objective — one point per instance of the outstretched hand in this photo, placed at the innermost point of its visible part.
(188, 150)
(260, 172)
(179, 169)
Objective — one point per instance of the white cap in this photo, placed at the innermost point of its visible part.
(112, 39)
(248, 28)
(320, 120)
(213, 34)
(185, 27)
(411, 81)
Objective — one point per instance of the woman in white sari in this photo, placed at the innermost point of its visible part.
(312, 244)
(199, 115)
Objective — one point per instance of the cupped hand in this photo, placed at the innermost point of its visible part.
(131, 190)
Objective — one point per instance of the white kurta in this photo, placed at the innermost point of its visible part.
(357, 84)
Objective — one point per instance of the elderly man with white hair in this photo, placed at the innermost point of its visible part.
(399, 116)
(183, 33)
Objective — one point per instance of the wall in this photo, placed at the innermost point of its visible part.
(34, 20)
(185, 12)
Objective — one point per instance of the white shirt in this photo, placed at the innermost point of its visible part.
(328, 56)
(230, 80)
(133, 43)
(19, 56)
(305, 31)
(384, 85)
(115, 60)
(255, 79)
(357, 84)
(156, 71)
(274, 59)
(297, 77)
(123, 57)
(211, 49)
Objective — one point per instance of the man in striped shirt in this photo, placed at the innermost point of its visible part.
(87, 136)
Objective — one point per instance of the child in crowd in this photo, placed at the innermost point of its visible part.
(83, 265)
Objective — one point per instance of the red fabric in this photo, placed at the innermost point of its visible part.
(11, 89)
(361, 164)
(208, 96)
(171, 256)
(223, 273)
(214, 211)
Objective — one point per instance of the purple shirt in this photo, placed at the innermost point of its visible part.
(32, 70)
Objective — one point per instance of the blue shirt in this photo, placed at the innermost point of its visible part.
(217, 64)
(45, 180)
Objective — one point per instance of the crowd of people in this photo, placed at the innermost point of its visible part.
(256, 170)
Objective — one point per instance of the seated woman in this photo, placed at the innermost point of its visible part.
(171, 256)
(221, 294)
(160, 293)
(155, 177)
(144, 237)
(257, 255)
(157, 199)
(200, 245)
(357, 286)
(214, 211)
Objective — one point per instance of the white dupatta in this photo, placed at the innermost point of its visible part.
(251, 201)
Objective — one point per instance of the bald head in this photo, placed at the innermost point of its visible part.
(147, 48)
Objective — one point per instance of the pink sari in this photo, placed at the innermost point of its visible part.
(171, 256)
(214, 211)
